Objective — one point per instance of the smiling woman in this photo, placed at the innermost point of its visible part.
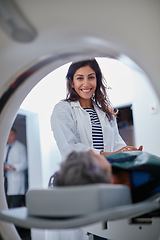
(86, 119)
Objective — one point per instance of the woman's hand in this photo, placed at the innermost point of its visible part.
(124, 149)
(129, 148)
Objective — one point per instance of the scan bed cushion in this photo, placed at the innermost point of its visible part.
(76, 200)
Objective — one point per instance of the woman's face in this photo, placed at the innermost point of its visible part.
(85, 83)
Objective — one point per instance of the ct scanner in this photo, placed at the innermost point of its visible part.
(39, 36)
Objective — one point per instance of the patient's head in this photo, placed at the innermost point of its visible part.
(82, 168)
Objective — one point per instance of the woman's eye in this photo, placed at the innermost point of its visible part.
(79, 78)
(92, 77)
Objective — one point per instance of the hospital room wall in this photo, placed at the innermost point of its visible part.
(146, 115)
(33, 147)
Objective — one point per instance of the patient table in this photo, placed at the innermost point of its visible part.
(99, 209)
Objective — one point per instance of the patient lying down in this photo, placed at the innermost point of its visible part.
(137, 170)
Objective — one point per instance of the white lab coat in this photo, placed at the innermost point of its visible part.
(16, 178)
(72, 129)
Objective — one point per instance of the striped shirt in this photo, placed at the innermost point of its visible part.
(97, 135)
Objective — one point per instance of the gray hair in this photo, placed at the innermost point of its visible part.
(79, 168)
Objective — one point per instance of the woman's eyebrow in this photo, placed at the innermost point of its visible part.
(78, 75)
(83, 75)
(91, 74)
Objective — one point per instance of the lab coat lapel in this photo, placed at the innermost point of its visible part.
(84, 124)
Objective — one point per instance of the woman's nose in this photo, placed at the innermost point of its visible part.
(85, 81)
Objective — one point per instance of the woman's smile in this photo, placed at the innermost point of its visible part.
(86, 90)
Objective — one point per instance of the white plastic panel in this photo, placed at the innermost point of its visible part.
(76, 200)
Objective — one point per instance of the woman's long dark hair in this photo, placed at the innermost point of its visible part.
(100, 96)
